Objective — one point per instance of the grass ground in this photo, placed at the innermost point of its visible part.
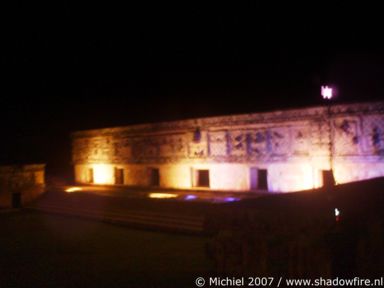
(39, 250)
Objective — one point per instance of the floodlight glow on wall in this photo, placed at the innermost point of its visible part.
(326, 92)
(103, 174)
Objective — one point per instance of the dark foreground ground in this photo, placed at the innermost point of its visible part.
(42, 250)
(292, 235)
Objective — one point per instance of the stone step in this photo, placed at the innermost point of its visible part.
(137, 218)
(130, 211)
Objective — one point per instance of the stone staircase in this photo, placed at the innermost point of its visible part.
(127, 217)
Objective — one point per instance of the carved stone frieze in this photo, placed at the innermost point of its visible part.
(351, 130)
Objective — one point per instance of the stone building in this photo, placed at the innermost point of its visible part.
(278, 151)
(25, 181)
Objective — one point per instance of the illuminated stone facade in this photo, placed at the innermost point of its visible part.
(278, 151)
(28, 180)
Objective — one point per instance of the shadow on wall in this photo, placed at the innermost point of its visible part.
(20, 184)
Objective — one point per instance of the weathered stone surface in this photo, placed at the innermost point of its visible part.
(293, 145)
(25, 179)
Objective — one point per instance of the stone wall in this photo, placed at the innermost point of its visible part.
(25, 179)
(294, 146)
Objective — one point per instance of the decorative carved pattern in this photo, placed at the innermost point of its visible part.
(300, 140)
(373, 132)
(347, 136)
(280, 141)
(237, 143)
(258, 142)
(357, 129)
(218, 143)
(172, 146)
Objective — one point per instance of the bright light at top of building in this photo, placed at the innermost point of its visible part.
(326, 92)
(337, 212)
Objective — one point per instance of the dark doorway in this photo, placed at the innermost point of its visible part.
(154, 177)
(202, 178)
(328, 178)
(258, 179)
(262, 178)
(90, 175)
(119, 176)
(16, 200)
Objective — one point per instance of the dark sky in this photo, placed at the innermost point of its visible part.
(69, 66)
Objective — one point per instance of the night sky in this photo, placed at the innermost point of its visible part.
(69, 66)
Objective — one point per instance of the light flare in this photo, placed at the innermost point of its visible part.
(162, 195)
(337, 215)
(326, 92)
(231, 199)
(190, 197)
(73, 189)
(102, 174)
